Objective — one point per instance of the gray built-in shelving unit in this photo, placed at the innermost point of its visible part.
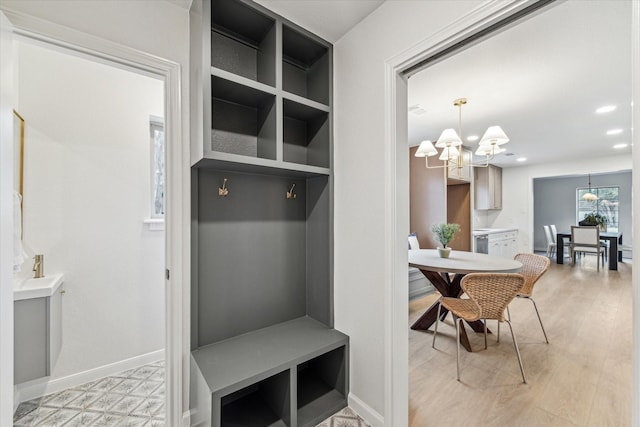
(264, 351)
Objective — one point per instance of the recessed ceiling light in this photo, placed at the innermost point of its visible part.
(606, 109)
(417, 109)
(472, 138)
(521, 159)
(614, 132)
(621, 146)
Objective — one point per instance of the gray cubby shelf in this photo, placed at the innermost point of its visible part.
(258, 368)
(243, 41)
(264, 351)
(306, 64)
(243, 120)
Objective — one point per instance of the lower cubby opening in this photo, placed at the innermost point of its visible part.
(321, 387)
(264, 404)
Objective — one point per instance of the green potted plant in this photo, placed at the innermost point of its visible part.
(444, 234)
(593, 218)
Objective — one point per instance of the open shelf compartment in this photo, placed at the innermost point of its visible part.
(321, 387)
(243, 120)
(306, 135)
(263, 404)
(305, 66)
(243, 41)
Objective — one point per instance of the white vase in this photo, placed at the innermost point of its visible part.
(444, 252)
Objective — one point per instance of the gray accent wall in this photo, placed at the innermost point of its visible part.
(554, 202)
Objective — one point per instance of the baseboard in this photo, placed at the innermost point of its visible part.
(43, 386)
(365, 411)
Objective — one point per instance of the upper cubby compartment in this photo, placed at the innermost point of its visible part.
(306, 66)
(243, 120)
(306, 135)
(243, 41)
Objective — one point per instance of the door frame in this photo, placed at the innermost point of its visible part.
(397, 196)
(177, 195)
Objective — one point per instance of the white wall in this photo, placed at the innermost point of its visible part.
(86, 194)
(517, 191)
(359, 151)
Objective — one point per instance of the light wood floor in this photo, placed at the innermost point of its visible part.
(581, 378)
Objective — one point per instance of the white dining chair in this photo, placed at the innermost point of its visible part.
(551, 244)
(586, 239)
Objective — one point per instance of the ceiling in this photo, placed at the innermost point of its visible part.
(541, 81)
(329, 19)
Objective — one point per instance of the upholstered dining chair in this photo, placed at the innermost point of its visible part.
(489, 295)
(533, 267)
(586, 239)
(551, 243)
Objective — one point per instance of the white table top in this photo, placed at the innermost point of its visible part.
(462, 262)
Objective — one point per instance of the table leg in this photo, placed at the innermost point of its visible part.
(447, 288)
(559, 249)
(613, 253)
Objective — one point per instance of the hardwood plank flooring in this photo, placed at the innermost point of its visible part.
(581, 378)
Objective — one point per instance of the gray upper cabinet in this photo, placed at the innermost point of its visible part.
(264, 351)
(488, 187)
(262, 97)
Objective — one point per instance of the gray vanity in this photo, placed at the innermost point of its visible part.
(37, 315)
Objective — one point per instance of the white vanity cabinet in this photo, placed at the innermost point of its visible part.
(38, 330)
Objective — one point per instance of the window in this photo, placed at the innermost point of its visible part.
(607, 204)
(157, 167)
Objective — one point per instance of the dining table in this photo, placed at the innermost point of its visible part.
(614, 239)
(446, 274)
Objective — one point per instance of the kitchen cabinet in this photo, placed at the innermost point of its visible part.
(503, 244)
(488, 187)
(263, 347)
(459, 169)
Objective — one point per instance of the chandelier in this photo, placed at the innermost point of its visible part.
(589, 196)
(449, 142)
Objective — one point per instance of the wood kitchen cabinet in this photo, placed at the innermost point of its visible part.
(462, 172)
(488, 187)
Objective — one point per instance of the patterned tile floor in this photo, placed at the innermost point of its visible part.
(345, 418)
(130, 398)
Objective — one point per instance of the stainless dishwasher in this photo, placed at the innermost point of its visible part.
(482, 244)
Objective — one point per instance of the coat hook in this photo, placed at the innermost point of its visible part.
(223, 191)
(290, 193)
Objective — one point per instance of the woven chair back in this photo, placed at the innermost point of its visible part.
(492, 292)
(533, 267)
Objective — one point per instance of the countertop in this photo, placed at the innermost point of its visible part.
(487, 231)
(25, 288)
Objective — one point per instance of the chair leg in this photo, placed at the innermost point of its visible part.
(457, 320)
(485, 333)
(515, 344)
(539, 319)
(435, 329)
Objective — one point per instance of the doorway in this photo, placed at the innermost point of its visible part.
(88, 193)
(177, 198)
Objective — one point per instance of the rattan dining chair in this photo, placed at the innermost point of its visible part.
(533, 267)
(489, 295)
